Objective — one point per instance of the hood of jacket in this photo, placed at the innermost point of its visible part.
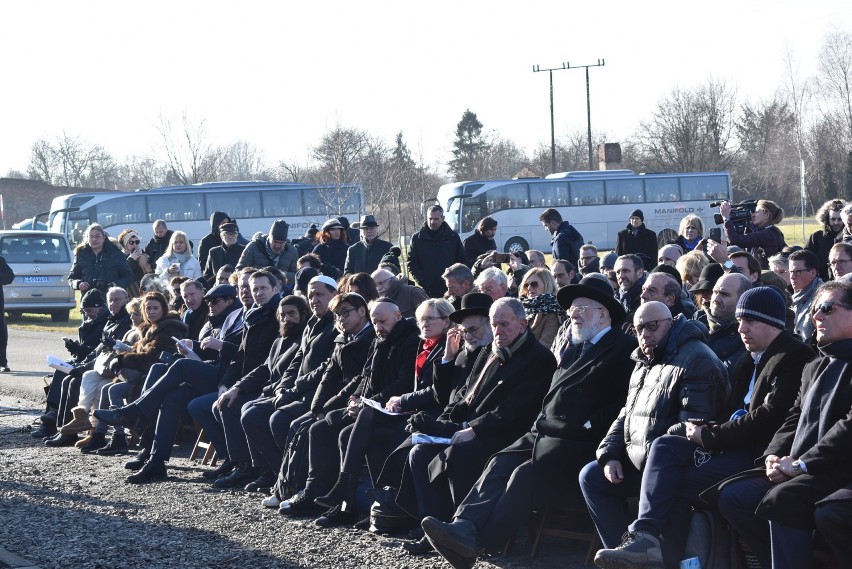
(215, 219)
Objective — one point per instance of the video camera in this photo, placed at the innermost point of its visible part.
(740, 214)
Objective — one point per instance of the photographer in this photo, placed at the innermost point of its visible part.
(760, 233)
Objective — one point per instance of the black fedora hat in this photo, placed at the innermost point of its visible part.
(598, 290)
(708, 277)
(369, 221)
(472, 304)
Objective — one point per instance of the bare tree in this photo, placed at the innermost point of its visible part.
(189, 154)
(72, 162)
(242, 161)
(340, 155)
(691, 130)
(835, 66)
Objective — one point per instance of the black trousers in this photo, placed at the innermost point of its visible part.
(69, 395)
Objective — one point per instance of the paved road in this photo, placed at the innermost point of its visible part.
(27, 353)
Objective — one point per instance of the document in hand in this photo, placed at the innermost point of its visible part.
(59, 364)
(379, 407)
(421, 439)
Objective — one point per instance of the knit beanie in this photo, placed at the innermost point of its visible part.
(303, 277)
(279, 230)
(93, 299)
(764, 304)
(638, 213)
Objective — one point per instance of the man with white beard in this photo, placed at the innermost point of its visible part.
(586, 394)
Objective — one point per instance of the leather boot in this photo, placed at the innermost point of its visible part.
(61, 441)
(47, 429)
(96, 441)
(238, 478)
(343, 491)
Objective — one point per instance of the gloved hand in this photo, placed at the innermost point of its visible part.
(116, 366)
(77, 372)
(420, 423)
(109, 343)
(71, 345)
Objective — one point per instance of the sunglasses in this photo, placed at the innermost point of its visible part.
(651, 326)
(828, 307)
(532, 284)
(134, 242)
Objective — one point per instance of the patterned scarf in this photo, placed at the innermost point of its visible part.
(496, 358)
(544, 303)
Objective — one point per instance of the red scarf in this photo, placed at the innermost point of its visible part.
(428, 345)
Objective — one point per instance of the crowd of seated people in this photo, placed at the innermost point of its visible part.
(522, 387)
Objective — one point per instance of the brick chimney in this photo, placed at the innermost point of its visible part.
(609, 156)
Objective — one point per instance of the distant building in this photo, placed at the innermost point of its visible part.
(26, 198)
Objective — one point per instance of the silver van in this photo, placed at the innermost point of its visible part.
(41, 261)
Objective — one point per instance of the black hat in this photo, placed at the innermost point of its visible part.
(312, 231)
(229, 227)
(303, 277)
(93, 299)
(369, 221)
(332, 223)
(638, 213)
(472, 304)
(221, 291)
(669, 270)
(279, 230)
(708, 277)
(598, 290)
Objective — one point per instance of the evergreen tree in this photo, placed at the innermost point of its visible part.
(470, 149)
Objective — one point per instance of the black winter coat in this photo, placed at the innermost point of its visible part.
(820, 243)
(304, 373)
(89, 333)
(431, 252)
(779, 377)
(260, 380)
(347, 362)
(260, 329)
(333, 254)
(476, 244)
(115, 328)
(102, 270)
(220, 256)
(635, 241)
(684, 380)
(365, 258)
(6, 277)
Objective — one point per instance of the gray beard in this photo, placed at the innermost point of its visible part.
(584, 334)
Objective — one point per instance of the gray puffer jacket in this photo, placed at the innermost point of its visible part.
(684, 380)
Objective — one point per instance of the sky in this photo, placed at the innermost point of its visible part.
(280, 74)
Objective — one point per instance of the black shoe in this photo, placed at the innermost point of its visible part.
(343, 491)
(49, 416)
(299, 505)
(362, 524)
(224, 468)
(122, 417)
(47, 430)
(455, 540)
(139, 460)
(336, 517)
(154, 469)
(262, 483)
(97, 442)
(61, 441)
(419, 547)
(238, 478)
(4, 369)
(117, 445)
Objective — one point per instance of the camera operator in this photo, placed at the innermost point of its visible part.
(760, 233)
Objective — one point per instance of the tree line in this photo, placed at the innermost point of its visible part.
(706, 127)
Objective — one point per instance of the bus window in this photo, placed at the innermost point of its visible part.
(238, 205)
(506, 197)
(703, 188)
(122, 211)
(352, 205)
(176, 207)
(471, 213)
(624, 191)
(549, 194)
(316, 203)
(282, 203)
(662, 189)
(587, 193)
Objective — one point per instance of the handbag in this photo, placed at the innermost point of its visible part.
(103, 364)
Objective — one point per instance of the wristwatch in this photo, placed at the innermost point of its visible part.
(728, 265)
(798, 467)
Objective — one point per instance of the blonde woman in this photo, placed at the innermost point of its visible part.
(538, 295)
(690, 232)
(177, 260)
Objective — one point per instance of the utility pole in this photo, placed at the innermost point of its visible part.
(600, 63)
(537, 69)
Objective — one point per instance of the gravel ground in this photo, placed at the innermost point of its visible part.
(60, 508)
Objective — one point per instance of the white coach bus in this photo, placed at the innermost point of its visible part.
(597, 203)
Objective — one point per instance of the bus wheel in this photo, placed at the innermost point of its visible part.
(516, 245)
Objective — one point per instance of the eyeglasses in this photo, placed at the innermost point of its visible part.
(827, 307)
(581, 308)
(430, 319)
(797, 272)
(835, 262)
(215, 299)
(532, 284)
(651, 325)
(470, 331)
(587, 257)
(344, 314)
(134, 242)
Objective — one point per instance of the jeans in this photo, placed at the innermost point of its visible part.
(607, 502)
(201, 410)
